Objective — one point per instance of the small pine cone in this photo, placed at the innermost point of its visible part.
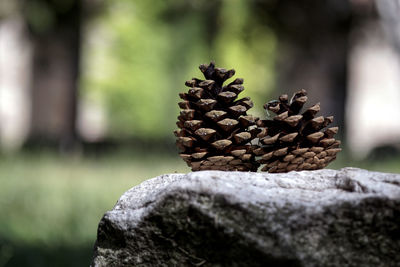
(215, 130)
(292, 141)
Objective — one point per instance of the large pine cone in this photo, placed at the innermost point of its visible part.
(291, 141)
(215, 130)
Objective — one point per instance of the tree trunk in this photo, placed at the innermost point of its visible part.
(55, 80)
(312, 49)
(321, 69)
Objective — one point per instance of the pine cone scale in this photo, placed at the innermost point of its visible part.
(293, 141)
(215, 131)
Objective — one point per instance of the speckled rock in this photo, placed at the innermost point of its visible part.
(349, 217)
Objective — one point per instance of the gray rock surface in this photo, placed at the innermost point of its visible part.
(349, 217)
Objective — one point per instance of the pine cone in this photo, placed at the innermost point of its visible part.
(291, 141)
(215, 130)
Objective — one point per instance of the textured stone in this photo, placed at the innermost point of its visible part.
(349, 217)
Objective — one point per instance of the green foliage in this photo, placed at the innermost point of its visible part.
(141, 52)
(45, 16)
(40, 16)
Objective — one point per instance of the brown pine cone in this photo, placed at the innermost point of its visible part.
(293, 141)
(215, 130)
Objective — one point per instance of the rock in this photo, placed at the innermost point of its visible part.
(349, 217)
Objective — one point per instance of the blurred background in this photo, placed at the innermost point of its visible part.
(89, 92)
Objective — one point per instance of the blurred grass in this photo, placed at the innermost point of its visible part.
(50, 205)
(389, 164)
